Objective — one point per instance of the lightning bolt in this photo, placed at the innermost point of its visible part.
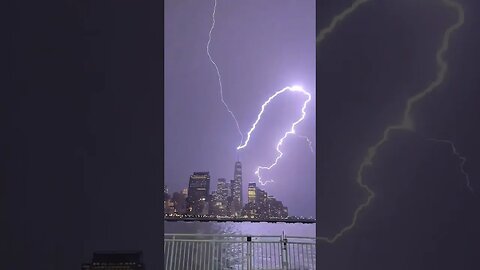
(407, 123)
(244, 144)
(462, 159)
(290, 132)
(338, 18)
(218, 72)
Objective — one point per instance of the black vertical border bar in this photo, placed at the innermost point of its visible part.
(319, 149)
(157, 76)
(162, 173)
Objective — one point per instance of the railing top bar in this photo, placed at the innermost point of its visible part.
(300, 237)
(240, 238)
(223, 235)
(227, 241)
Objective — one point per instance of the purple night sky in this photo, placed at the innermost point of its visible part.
(260, 47)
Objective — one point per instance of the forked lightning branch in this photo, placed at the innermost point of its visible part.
(291, 131)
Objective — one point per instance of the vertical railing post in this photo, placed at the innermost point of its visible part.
(283, 242)
(249, 253)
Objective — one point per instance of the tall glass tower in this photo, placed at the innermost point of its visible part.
(237, 198)
(198, 191)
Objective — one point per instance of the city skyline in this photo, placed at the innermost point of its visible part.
(225, 200)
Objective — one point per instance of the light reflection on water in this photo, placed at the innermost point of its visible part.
(243, 228)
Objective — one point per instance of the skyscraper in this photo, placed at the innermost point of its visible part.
(263, 206)
(220, 198)
(236, 187)
(179, 202)
(198, 193)
(222, 189)
(252, 192)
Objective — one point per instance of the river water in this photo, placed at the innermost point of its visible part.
(243, 228)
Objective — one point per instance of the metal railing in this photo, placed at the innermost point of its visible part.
(219, 252)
